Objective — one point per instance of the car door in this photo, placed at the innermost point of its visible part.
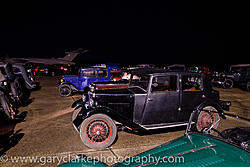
(192, 94)
(162, 101)
(88, 76)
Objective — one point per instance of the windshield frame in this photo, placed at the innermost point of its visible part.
(147, 87)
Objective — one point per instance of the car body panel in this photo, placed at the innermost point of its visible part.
(157, 106)
(111, 84)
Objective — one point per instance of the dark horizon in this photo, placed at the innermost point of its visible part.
(188, 32)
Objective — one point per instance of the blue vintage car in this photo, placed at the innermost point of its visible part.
(73, 83)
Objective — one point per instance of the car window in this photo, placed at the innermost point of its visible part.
(91, 73)
(191, 83)
(102, 73)
(3, 70)
(141, 81)
(164, 84)
(16, 70)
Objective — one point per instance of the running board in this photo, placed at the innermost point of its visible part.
(160, 126)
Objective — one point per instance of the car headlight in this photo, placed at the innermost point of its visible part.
(83, 98)
(91, 87)
(91, 102)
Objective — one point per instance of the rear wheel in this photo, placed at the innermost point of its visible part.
(64, 90)
(208, 116)
(248, 86)
(228, 84)
(98, 131)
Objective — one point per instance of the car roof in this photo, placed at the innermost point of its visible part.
(156, 71)
(86, 69)
(240, 65)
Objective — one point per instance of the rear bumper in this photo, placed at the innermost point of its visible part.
(225, 105)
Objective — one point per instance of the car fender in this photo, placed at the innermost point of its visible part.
(214, 104)
(77, 103)
(72, 86)
(85, 113)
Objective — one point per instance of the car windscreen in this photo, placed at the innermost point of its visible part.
(89, 73)
(140, 80)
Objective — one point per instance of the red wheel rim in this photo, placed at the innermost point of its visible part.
(98, 131)
(206, 119)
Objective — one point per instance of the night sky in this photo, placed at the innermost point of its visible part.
(185, 32)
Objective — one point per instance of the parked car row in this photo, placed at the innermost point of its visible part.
(89, 78)
(16, 82)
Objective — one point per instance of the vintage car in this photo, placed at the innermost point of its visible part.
(238, 75)
(22, 71)
(155, 99)
(73, 83)
(16, 86)
(27, 75)
(227, 147)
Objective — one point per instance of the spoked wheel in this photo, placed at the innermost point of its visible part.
(207, 117)
(64, 90)
(98, 131)
(228, 84)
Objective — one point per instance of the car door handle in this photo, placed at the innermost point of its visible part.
(150, 99)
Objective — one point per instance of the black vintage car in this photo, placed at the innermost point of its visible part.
(238, 75)
(155, 99)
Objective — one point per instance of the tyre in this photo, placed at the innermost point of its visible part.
(98, 131)
(248, 86)
(75, 113)
(22, 91)
(6, 107)
(64, 90)
(206, 118)
(228, 84)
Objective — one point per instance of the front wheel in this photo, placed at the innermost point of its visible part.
(64, 90)
(207, 117)
(98, 131)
